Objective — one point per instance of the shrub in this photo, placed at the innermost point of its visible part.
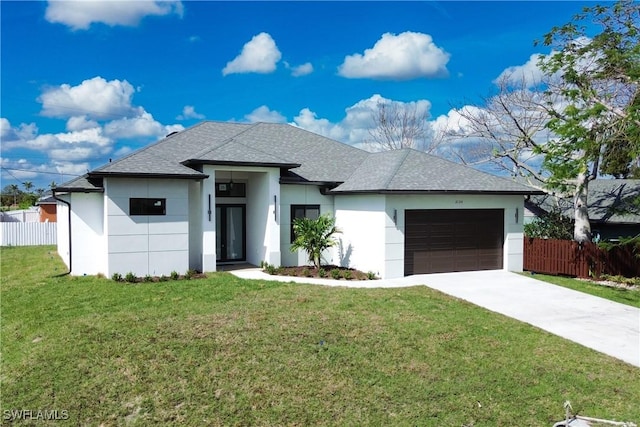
(116, 277)
(552, 225)
(190, 274)
(347, 275)
(148, 278)
(371, 275)
(130, 277)
(271, 269)
(174, 275)
(322, 273)
(314, 236)
(335, 273)
(306, 272)
(163, 278)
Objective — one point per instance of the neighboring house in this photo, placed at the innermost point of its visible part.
(220, 193)
(48, 208)
(612, 212)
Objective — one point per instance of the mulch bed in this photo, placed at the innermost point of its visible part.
(326, 272)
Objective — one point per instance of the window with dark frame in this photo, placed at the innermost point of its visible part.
(142, 206)
(231, 189)
(303, 211)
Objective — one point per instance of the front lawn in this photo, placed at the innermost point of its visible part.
(225, 351)
(622, 295)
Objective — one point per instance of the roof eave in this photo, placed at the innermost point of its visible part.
(196, 176)
(190, 162)
(78, 190)
(418, 192)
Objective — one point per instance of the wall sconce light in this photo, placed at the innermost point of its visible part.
(395, 216)
(517, 212)
(231, 180)
(275, 208)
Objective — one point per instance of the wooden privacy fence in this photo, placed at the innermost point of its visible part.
(566, 257)
(27, 233)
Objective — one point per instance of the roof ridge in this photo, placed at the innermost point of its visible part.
(393, 175)
(225, 142)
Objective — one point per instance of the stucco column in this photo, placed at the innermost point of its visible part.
(208, 198)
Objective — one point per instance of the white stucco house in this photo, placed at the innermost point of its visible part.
(220, 193)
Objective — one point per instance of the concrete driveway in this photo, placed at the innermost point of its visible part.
(597, 323)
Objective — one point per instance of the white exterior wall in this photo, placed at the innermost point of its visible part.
(263, 217)
(147, 244)
(62, 231)
(196, 217)
(513, 232)
(363, 221)
(87, 233)
(300, 195)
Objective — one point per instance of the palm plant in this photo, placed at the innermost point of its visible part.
(314, 236)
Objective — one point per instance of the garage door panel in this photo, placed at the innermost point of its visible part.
(453, 240)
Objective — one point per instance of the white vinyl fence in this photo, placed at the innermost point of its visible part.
(27, 233)
(25, 215)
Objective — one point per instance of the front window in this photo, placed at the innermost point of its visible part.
(303, 211)
(140, 206)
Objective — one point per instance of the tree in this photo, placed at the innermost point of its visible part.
(555, 129)
(28, 185)
(314, 236)
(398, 126)
(14, 190)
(599, 84)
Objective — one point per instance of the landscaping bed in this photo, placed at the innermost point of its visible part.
(325, 272)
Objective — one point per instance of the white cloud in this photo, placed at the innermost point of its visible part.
(259, 55)
(404, 56)
(527, 75)
(77, 123)
(10, 133)
(80, 14)
(264, 114)
(95, 98)
(189, 112)
(354, 128)
(142, 125)
(301, 70)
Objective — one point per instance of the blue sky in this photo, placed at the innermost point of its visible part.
(83, 82)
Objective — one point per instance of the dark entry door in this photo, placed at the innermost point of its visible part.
(230, 233)
(438, 241)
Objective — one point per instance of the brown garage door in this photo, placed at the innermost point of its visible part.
(442, 240)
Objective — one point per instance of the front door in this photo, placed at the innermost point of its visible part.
(230, 233)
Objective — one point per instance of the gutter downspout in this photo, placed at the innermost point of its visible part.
(53, 192)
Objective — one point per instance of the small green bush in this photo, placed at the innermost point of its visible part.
(190, 274)
(148, 278)
(116, 277)
(371, 275)
(163, 278)
(174, 275)
(306, 272)
(347, 275)
(271, 269)
(130, 277)
(322, 273)
(335, 273)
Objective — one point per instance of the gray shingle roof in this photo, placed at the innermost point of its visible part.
(307, 156)
(80, 184)
(409, 170)
(607, 199)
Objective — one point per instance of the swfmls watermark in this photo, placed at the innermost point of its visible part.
(34, 414)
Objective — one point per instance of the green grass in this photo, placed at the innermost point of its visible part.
(624, 296)
(225, 351)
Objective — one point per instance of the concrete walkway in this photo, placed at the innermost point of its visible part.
(597, 323)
